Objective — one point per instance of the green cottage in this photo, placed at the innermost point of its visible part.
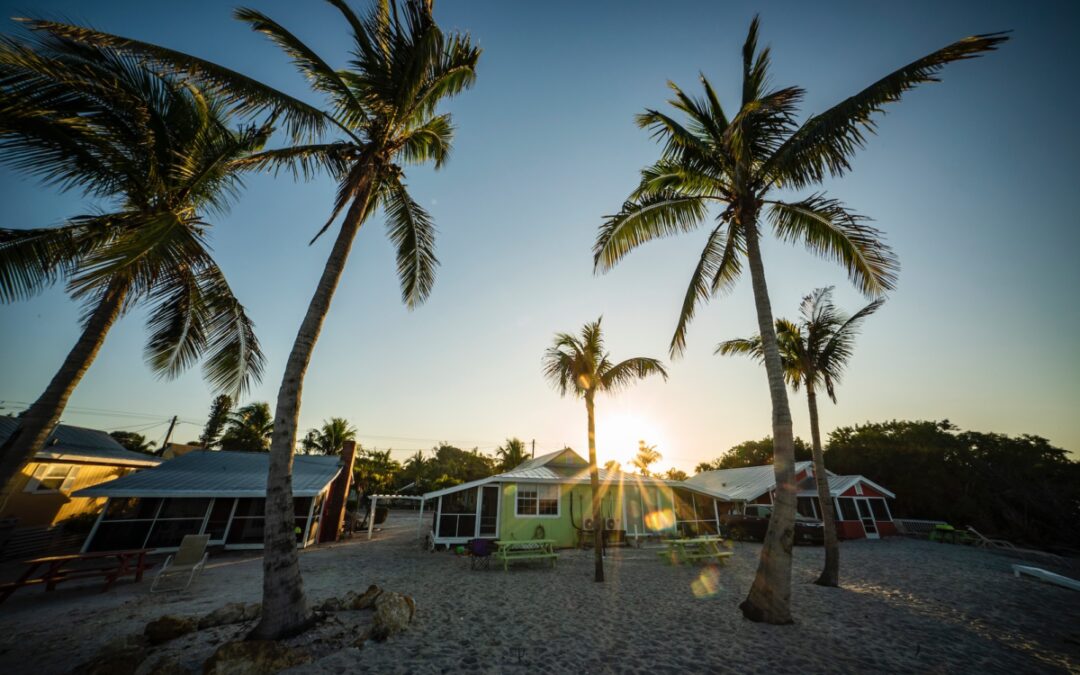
(549, 497)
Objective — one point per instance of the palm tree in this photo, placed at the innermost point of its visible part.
(736, 163)
(647, 455)
(383, 108)
(582, 367)
(157, 156)
(511, 454)
(612, 466)
(249, 429)
(814, 352)
(330, 438)
(675, 474)
(416, 467)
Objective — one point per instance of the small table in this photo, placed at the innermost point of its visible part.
(698, 548)
(59, 568)
(525, 549)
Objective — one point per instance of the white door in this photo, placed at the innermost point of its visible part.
(866, 515)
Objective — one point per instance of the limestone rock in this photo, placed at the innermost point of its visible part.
(330, 605)
(393, 614)
(233, 612)
(253, 657)
(367, 599)
(170, 627)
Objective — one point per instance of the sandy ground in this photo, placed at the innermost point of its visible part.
(906, 606)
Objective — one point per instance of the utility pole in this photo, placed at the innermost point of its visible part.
(534, 449)
(168, 434)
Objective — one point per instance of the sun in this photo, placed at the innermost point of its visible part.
(618, 433)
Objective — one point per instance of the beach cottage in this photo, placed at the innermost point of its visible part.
(550, 497)
(44, 493)
(217, 493)
(861, 505)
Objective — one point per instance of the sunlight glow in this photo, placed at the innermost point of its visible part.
(660, 519)
(707, 584)
(618, 433)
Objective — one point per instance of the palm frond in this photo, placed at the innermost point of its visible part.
(302, 161)
(413, 234)
(623, 374)
(652, 217)
(717, 269)
(825, 143)
(33, 259)
(825, 227)
(429, 142)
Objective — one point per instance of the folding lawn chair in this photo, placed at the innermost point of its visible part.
(189, 560)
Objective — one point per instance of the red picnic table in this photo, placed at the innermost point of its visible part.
(59, 568)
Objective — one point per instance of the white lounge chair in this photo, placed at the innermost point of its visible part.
(189, 560)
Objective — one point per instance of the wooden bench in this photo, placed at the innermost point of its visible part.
(525, 550)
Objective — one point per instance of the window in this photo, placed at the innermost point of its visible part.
(806, 507)
(51, 478)
(847, 509)
(858, 489)
(537, 500)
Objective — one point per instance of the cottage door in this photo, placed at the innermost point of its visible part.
(866, 515)
(489, 511)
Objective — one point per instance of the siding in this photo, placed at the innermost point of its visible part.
(50, 508)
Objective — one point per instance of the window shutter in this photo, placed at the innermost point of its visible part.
(70, 480)
(32, 484)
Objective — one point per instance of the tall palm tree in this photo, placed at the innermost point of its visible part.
(647, 455)
(814, 352)
(249, 428)
(511, 454)
(329, 439)
(582, 367)
(416, 467)
(383, 109)
(159, 157)
(737, 162)
(215, 422)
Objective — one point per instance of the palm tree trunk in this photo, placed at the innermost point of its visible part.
(769, 599)
(285, 609)
(830, 576)
(594, 481)
(38, 421)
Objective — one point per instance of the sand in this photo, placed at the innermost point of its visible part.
(905, 607)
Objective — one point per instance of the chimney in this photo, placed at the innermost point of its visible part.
(338, 497)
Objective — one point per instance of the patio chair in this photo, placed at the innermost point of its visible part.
(189, 559)
(479, 554)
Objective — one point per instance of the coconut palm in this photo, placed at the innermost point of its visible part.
(582, 367)
(416, 468)
(511, 454)
(329, 439)
(249, 429)
(382, 108)
(158, 157)
(814, 352)
(737, 162)
(647, 455)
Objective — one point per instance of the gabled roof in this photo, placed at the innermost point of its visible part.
(742, 484)
(78, 444)
(562, 466)
(206, 473)
(838, 485)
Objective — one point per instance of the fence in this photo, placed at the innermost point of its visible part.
(31, 542)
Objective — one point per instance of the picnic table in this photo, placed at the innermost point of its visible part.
(109, 565)
(509, 551)
(694, 549)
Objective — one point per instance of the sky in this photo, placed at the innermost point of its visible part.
(973, 181)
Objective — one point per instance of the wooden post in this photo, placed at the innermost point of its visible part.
(371, 518)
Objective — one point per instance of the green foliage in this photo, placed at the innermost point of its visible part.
(647, 455)
(215, 423)
(158, 156)
(249, 429)
(133, 441)
(675, 474)
(376, 472)
(752, 453)
(511, 454)
(737, 163)
(1018, 487)
(582, 366)
(329, 439)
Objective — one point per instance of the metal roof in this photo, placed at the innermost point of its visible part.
(570, 468)
(838, 485)
(743, 484)
(78, 444)
(206, 473)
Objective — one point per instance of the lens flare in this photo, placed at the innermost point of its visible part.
(660, 519)
(707, 584)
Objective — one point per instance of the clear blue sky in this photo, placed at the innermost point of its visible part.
(973, 179)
